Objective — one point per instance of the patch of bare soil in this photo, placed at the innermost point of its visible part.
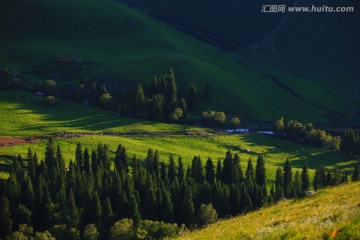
(9, 141)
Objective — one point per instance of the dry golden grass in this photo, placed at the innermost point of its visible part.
(332, 213)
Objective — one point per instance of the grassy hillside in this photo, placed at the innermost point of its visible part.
(320, 48)
(124, 46)
(26, 115)
(330, 214)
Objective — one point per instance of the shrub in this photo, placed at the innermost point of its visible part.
(176, 115)
(51, 101)
(206, 214)
(213, 119)
(235, 122)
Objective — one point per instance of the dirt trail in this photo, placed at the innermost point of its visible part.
(10, 141)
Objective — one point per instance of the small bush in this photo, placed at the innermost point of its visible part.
(213, 119)
(51, 101)
(206, 214)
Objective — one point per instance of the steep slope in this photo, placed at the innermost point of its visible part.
(319, 47)
(332, 213)
(124, 46)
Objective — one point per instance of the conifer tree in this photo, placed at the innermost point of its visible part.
(348, 143)
(320, 177)
(305, 179)
(197, 170)
(246, 202)
(235, 199)
(298, 188)
(60, 159)
(150, 201)
(106, 157)
(29, 199)
(156, 162)
(272, 196)
(288, 178)
(107, 214)
(164, 171)
(118, 161)
(86, 160)
(336, 180)
(183, 105)
(279, 183)
(260, 172)
(356, 174)
(32, 165)
(329, 178)
(94, 161)
(219, 170)
(264, 196)
(188, 208)
(74, 216)
(134, 207)
(228, 168)
(238, 176)
(119, 158)
(50, 154)
(167, 207)
(209, 171)
(6, 223)
(172, 87)
(172, 168)
(140, 99)
(181, 172)
(192, 98)
(250, 175)
(96, 209)
(14, 190)
(221, 199)
(279, 192)
(79, 160)
(150, 160)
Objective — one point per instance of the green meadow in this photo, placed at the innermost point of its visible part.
(275, 151)
(26, 115)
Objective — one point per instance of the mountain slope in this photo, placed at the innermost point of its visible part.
(332, 213)
(126, 47)
(320, 47)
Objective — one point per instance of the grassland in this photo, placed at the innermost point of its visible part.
(275, 151)
(332, 213)
(127, 47)
(26, 115)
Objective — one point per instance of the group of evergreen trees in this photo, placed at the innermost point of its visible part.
(164, 104)
(326, 177)
(350, 142)
(91, 195)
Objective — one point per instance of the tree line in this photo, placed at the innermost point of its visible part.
(308, 134)
(160, 102)
(94, 199)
